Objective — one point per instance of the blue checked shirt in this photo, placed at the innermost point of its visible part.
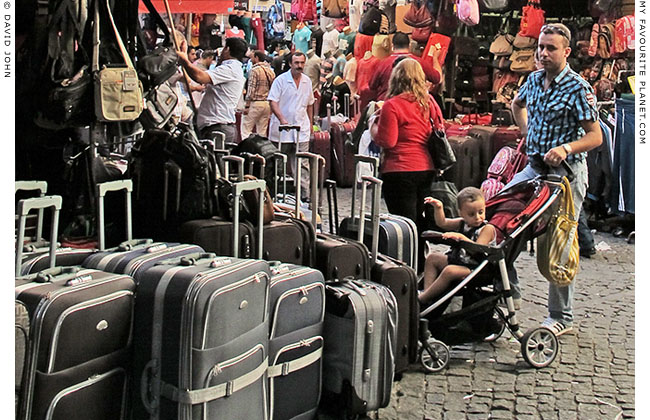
(554, 114)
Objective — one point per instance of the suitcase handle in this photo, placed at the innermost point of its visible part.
(252, 159)
(289, 127)
(332, 205)
(176, 171)
(238, 188)
(315, 163)
(41, 188)
(24, 207)
(67, 275)
(374, 212)
(280, 156)
(233, 160)
(102, 189)
(374, 162)
(193, 259)
(149, 380)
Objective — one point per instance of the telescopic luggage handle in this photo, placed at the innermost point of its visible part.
(374, 162)
(252, 159)
(234, 160)
(41, 188)
(24, 207)
(102, 189)
(315, 163)
(238, 188)
(283, 158)
(374, 212)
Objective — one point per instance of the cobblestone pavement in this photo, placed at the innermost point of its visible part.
(591, 378)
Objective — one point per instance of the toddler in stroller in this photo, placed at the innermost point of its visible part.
(516, 216)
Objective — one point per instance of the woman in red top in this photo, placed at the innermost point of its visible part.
(402, 132)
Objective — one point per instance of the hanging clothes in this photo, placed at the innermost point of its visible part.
(622, 196)
(317, 38)
(301, 39)
(258, 32)
(599, 164)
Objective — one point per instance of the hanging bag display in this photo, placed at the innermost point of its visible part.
(439, 148)
(558, 252)
(532, 19)
(468, 12)
(118, 91)
(418, 15)
(421, 34)
(523, 61)
(446, 21)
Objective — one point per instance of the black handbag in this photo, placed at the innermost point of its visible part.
(441, 152)
(158, 66)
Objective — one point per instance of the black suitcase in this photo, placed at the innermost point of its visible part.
(201, 340)
(467, 170)
(78, 349)
(297, 308)
(400, 279)
(134, 256)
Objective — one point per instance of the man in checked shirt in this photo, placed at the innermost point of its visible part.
(556, 112)
(257, 111)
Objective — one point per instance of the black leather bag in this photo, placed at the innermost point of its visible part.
(441, 152)
(158, 66)
(371, 22)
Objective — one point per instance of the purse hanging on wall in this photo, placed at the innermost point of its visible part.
(118, 91)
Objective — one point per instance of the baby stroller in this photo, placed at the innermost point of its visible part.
(519, 214)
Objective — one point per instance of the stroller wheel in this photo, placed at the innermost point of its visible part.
(539, 347)
(434, 355)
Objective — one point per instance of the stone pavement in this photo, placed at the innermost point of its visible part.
(591, 378)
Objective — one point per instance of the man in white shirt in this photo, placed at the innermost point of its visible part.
(292, 103)
(224, 88)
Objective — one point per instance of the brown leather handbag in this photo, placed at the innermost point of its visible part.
(418, 15)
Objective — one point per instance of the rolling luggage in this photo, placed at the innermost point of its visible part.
(360, 338)
(401, 279)
(398, 235)
(505, 136)
(297, 308)
(485, 134)
(134, 256)
(320, 144)
(467, 170)
(342, 153)
(201, 340)
(77, 348)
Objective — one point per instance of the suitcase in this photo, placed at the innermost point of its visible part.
(467, 170)
(320, 144)
(21, 342)
(485, 134)
(342, 153)
(505, 136)
(401, 279)
(297, 308)
(78, 348)
(201, 340)
(360, 337)
(398, 235)
(134, 256)
(453, 129)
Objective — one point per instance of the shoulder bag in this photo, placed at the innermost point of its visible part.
(558, 252)
(439, 148)
(418, 15)
(118, 91)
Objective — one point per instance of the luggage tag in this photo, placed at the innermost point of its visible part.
(130, 80)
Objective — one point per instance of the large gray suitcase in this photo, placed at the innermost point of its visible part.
(296, 341)
(360, 334)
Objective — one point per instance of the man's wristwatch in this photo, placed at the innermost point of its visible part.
(567, 149)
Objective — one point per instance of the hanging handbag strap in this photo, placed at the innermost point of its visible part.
(96, 40)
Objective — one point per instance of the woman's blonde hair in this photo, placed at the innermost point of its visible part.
(408, 77)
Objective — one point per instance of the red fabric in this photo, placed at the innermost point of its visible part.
(365, 70)
(478, 119)
(231, 34)
(362, 43)
(379, 81)
(403, 133)
(191, 6)
(532, 20)
(453, 129)
(444, 42)
(258, 28)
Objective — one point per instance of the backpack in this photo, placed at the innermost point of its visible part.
(507, 162)
(418, 16)
(275, 21)
(532, 19)
(558, 252)
(624, 34)
(335, 8)
(605, 40)
(494, 5)
(371, 22)
(468, 12)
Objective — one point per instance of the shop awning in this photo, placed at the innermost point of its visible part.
(192, 6)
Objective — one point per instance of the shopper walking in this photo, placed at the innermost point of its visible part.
(292, 103)
(402, 132)
(257, 110)
(224, 88)
(556, 112)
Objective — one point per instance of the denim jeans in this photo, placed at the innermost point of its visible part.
(560, 299)
(585, 238)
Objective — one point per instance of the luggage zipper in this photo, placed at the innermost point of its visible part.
(88, 382)
(78, 307)
(219, 367)
(304, 291)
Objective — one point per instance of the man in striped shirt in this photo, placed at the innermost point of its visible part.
(556, 112)
(257, 111)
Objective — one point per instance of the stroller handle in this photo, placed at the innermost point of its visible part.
(537, 161)
(476, 250)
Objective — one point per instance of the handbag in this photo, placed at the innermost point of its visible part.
(421, 34)
(558, 252)
(68, 103)
(502, 44)
(159, 105)
(523, 61)
(439, 148)
(446, 21)
(418, 15)
(118, 91)
(532, 19)
(521, 42)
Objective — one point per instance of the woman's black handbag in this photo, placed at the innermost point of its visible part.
(441, 152)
